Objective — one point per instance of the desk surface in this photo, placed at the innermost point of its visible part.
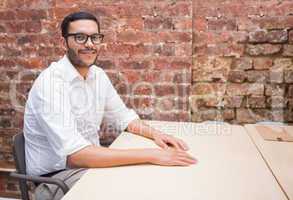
(230, 167)
(279, 157)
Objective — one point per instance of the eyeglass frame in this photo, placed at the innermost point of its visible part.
(88, 36)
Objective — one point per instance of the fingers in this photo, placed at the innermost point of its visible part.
(183, 158)
(178, 144)
(162, 144)
(183, 145)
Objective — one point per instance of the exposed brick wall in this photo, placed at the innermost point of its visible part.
(242, 61)
(179, 60)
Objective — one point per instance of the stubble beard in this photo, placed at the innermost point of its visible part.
(77, 61)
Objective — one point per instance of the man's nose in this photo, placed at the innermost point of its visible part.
(89, 43)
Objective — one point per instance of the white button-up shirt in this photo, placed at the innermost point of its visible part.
(63, 114)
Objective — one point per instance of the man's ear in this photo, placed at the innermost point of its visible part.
(63, 41)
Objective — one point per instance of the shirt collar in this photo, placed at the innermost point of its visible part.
(70, 72)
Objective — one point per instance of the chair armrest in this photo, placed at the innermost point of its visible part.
(39, 179)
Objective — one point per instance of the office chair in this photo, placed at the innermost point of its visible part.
(19, 157)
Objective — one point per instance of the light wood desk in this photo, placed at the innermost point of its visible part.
(279, 158)
(229, 168)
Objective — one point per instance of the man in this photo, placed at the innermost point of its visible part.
(66, 106)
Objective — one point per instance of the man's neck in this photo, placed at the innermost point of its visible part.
(83, 71)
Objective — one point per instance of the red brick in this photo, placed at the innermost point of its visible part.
(7, 63)
(220, 24)
(208, 102)
(184, 49)
(31, 14)
(282, 63)
(211, 75)
(183, 90)
(275, 90)
(143, 89)
(288, 75)
(183, 24)
(163, 49)
(182, 77)
(165, 104)
(263, 49)
(179, 8)
(243, 63)
(270, 22)
(262, 63)
(277, 36)
(125, 50)
(288, 50)
(228, 114)
(237, 76)
(158, 23)
(9, 51)
(256, 102)
(252, 115)
(134, 64)
(33, 26)
(257, 76)
(134, 36)
(182, 104)
(233, 101)
(164, 90)
(236, 89)
(131, 76)
(180, 63)
(277, 102)
(200, 24)
(223, 49)
(258, 36)
(207, 115)
(255, 89)
(40, 4)
(106, 64)
(208, 89)
(46, 51)
(172, 116)
(177, 37)
(277, 76)
(134, 23)
(60, 13)
(146, 104)
(31, 63)
(277, 8)
(14, 27)
(7, 15)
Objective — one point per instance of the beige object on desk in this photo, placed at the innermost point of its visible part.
(229, 168)
(280, 133)
(278, 155)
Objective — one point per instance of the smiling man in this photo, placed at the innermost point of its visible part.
(64, 110)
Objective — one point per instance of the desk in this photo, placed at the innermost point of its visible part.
(279, 158)
(229, 168)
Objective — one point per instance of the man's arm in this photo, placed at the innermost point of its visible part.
(95, 157)
(138, 127)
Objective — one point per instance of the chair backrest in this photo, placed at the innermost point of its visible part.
(19, 153)
(19, 157)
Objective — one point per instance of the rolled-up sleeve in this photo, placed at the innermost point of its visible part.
(116, 112)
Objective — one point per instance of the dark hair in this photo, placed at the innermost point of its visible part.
(74, 17)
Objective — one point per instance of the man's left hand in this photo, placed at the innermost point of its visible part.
(165, 141)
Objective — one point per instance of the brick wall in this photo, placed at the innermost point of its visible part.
(242, 61)
(178, 60)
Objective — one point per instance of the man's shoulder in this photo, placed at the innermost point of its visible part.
(53, 71)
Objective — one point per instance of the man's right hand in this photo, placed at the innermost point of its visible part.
(170, 157)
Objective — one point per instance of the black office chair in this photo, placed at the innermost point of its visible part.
(19, 157)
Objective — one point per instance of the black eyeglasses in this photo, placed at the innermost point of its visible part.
(82, 38)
